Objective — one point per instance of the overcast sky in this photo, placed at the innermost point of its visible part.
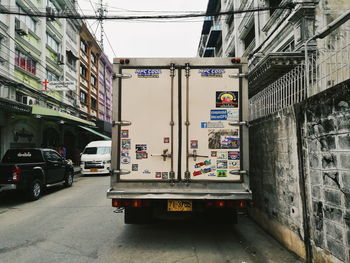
(148, 38)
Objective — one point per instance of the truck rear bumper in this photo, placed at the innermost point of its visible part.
(6, 187)
(179, 194)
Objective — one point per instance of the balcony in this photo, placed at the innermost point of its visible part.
(266, 69)
(214, 35)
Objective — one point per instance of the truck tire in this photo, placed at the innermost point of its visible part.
(34, 191)
(68, 181)
(139, 215)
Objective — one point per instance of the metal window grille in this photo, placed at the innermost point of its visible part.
(329, 65)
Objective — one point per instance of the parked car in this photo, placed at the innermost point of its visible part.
(33, 169)
(96, 158)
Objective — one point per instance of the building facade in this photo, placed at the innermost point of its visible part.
(39, 77)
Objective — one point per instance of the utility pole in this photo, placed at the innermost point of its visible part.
(101, 13)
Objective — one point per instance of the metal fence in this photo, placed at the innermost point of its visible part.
(327, 66)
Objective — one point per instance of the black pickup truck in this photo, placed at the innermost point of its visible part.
(32, 169)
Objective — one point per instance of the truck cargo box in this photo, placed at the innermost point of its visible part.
(179, 133)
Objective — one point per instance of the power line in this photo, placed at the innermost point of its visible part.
(93, 17)
(110, 46)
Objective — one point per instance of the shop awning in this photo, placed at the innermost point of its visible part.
(95, 132)
(42, 111)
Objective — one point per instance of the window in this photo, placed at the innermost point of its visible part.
(52, 5)
(83, 97)
(97, 150)
(22, 156)
(93, 58)
(27, 20)
(25, 62)
(52, 43)
(83, 46)
(52, 156)
(274, 3)
(249, 37)
(71, 61)
(93, 81)
(50, 76)
(83, 71)
(71, 33)
(93, 103)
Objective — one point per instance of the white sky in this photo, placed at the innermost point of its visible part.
(148, 38)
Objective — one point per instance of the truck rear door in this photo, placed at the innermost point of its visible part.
(211, 100)
(148, 147)
(178, 122)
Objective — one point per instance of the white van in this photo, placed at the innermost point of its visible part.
(96, 158)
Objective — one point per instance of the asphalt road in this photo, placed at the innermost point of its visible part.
(77, 224)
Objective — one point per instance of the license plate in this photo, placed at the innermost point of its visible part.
(179, 205)
(93, 170)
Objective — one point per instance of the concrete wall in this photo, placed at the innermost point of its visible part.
(300, 175)
(274, 174)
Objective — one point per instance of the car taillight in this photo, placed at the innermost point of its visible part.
(16, 174)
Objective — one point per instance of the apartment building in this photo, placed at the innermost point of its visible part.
(39, 77)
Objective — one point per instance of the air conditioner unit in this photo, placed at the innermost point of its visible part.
(21, 28)
(60, 59)
(28, 100)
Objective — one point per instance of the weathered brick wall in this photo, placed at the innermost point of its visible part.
(325, 121)
(274, 174)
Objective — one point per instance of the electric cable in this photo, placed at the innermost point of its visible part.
(202, 14)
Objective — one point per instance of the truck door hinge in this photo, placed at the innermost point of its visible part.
(121, 76)
(121, 123)
(239, 123)
(236, 76)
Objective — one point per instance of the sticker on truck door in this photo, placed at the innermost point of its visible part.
(226, 99)
(223, 139)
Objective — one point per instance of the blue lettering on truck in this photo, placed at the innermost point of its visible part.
(218, 115)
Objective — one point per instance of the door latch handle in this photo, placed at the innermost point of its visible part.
(164, 155)
(194, 155)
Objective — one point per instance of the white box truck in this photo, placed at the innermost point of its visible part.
(180, 138)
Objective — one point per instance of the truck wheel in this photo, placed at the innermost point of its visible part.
(140, 215)
(34, 191)
(68, 181)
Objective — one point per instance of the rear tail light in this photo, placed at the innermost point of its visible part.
(16, 172)
(116, 203)
(220, 204)
(209, 203)
(225, 203)
(130, 203)
(241, 204)
(136, 203)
